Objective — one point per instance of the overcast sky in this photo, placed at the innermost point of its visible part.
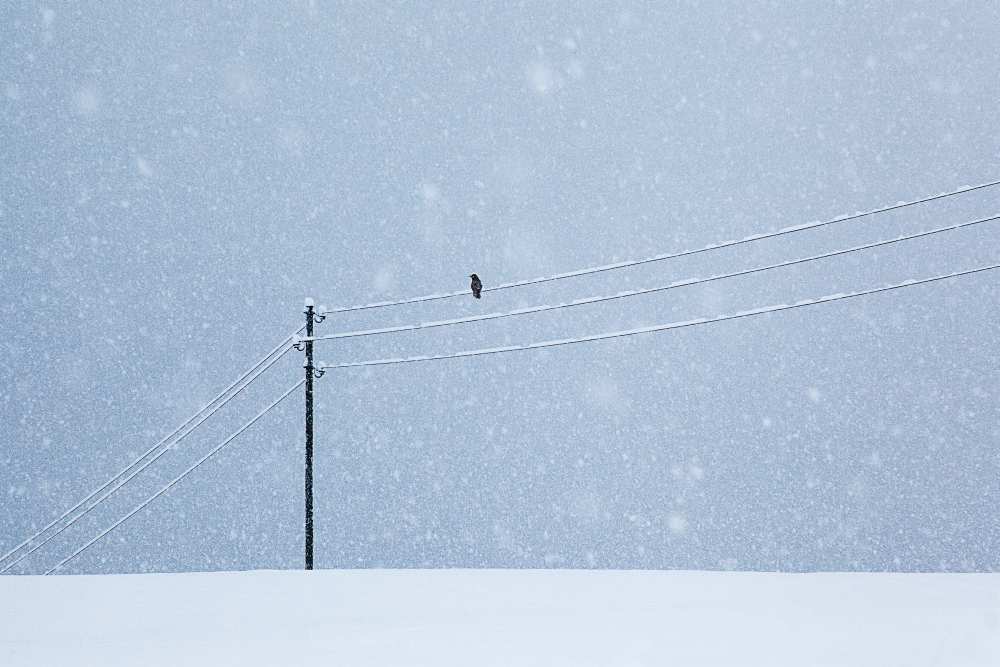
(177, 177)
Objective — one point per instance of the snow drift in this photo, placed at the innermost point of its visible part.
(501, 617)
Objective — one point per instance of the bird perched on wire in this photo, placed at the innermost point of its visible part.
(477, 286)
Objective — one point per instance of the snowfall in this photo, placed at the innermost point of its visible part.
(501, 617)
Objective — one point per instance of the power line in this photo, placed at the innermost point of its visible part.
(125, 480)
(651, 290)
(666, 256)
(659, 327)
(177, 479)
(149, 451)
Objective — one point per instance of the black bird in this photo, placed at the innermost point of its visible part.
(477, 285)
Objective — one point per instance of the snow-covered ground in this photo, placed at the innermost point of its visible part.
(501, 617)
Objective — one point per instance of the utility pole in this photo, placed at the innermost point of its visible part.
(311, 372)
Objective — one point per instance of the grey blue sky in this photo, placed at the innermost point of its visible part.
(176, 177)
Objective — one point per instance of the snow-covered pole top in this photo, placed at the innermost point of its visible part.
(312, 317)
